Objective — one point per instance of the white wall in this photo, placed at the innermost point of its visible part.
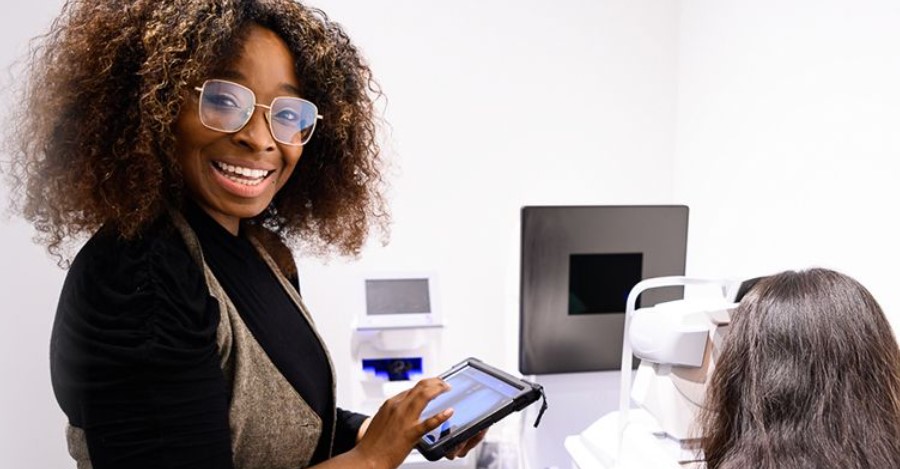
(788, 149)
(31, 423)
(496, 105)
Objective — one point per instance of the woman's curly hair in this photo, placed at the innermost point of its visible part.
(92, 144)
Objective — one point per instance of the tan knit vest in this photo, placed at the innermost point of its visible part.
(272, 427)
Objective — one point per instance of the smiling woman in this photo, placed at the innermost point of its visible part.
(96, 141)
(231, 157)
(193, 141)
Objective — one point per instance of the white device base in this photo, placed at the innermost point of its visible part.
(416, 461)
(642, 447)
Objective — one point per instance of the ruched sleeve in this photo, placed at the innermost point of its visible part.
(346, 429)
(133, 356)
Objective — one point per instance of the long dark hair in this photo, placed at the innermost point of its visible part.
(809, 377)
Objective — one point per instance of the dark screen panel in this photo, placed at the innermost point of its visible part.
(551, 338)
(600, 283)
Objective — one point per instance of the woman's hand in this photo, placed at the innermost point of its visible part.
(463, 448)
(395, 429)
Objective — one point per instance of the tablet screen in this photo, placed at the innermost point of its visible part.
(473, 394)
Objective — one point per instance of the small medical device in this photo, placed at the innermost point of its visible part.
(677, 343)
(397, 339)
(480, 396)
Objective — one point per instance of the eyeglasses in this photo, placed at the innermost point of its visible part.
(227, 107)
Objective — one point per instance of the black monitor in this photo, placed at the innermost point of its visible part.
(578, 265)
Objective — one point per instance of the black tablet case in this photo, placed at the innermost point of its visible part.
(532, 393)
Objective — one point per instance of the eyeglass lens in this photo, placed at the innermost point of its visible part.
(227, 107)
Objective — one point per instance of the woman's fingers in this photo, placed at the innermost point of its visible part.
(411, 403)
(424, 392)
(434, 421)
(429, 389)
(472, 442)
(400, 416)
(463, 448)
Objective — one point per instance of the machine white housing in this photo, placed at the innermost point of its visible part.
(675, 342)
(401, 329)
(401, 324)
(676, 332)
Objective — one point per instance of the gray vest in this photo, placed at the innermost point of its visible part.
(272, 427)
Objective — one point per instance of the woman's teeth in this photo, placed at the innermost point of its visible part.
(241, 175)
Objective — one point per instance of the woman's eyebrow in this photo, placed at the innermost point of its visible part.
(284, 87)
(289, 88)
(230, 75)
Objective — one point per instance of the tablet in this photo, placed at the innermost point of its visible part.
(480, 395)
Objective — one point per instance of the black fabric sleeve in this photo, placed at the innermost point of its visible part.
(345, 430)
(134, 360)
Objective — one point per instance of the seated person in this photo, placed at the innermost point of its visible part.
(809, 377)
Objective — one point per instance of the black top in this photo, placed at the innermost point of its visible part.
(133, 354)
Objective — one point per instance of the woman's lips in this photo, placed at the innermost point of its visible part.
(241, 181)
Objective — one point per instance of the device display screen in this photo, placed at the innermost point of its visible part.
(600, 283)
(474, 394)
(397, 296)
